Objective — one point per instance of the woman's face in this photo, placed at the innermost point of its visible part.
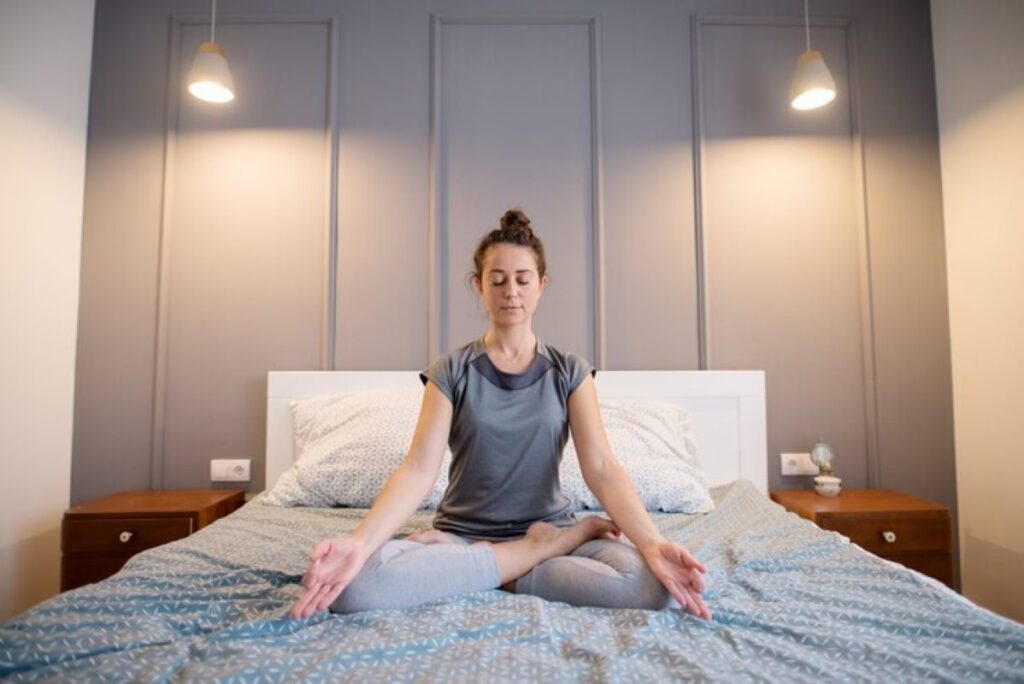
(510, 287)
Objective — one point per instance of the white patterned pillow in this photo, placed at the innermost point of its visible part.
(347, 447)
(654, 442)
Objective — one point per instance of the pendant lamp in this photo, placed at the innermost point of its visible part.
(209, 78)
(812, 85)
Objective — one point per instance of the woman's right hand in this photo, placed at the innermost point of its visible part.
(336, 561)
(333, 564)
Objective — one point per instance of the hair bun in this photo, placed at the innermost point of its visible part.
(515, 229)
(515, 218)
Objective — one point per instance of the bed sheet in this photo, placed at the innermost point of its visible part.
(791, 602)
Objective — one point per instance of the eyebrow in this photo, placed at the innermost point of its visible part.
(522, 270)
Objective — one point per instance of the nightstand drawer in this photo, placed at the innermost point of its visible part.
(85, 568)
(892, 535)
(939, 566)
(113, 535)
(99, 536)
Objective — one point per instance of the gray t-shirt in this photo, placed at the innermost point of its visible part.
(507, 435)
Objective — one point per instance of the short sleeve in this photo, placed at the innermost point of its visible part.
(440, 372)
(578, 368)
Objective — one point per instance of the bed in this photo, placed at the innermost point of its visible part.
(791, 602)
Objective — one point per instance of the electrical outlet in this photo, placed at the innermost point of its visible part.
(798, 464)
(229, 470)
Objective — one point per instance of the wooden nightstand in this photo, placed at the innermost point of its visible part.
(899, 527)
(98, 537)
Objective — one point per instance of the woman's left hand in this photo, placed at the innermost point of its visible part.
(680, 572)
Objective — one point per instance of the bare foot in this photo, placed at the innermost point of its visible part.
(430, 536)
(598, 527)
(543, 541)
(559, 541)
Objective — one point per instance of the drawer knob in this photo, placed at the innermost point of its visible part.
(889, 536)
(125, 537)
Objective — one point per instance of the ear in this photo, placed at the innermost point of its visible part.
(478, 285)
(543, 284)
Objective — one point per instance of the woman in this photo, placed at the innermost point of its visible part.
(505, 403)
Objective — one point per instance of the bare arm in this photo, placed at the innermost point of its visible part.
(335, 561)
(673, 565)
(409, 485)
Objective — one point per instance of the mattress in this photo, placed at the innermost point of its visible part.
(791, 602)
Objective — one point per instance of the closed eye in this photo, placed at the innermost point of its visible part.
(496, 283)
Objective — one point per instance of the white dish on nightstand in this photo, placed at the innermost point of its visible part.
(827, 485)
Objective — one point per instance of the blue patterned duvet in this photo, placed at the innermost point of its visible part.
(791, 603)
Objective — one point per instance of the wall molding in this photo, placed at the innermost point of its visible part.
(696, 102)
(328, 323)
(865, 277)
(437, 289)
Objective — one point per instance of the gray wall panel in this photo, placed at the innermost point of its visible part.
(383, 103)
(782, 229)
(908, 260)
(246, 211)
(120, 252)
(514, 130)
(650, 264)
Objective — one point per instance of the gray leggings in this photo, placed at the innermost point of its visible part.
(602, 572)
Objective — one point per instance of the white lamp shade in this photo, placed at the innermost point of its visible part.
(813, 85)
(209, 78)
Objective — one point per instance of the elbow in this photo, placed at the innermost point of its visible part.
(598, 471)
(421, 473)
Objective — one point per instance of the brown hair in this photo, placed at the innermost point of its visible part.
(514, 230)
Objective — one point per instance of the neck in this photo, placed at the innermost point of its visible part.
(510, 343)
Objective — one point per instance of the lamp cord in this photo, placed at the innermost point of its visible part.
(807, 24)
(213, 22)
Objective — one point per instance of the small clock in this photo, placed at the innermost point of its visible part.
(822, 456)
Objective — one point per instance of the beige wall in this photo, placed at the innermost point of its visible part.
(979, 73)
(45, 57)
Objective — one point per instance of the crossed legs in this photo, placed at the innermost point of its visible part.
(432, 565)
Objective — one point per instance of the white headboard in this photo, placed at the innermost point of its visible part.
(726, 408)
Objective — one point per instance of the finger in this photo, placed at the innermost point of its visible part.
(690, 561)
(696, 581)
(313, 606)
(701, 605)
(299, 611)
(691, 602)
(309, 602)
(705, 612)
(300, 605)
(311, 579)
(688, 580)
(679, 595)
(695, 604)
(321, 550)
(331, 595)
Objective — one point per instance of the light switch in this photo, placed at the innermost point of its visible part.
(229, 470)
(798, 464)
